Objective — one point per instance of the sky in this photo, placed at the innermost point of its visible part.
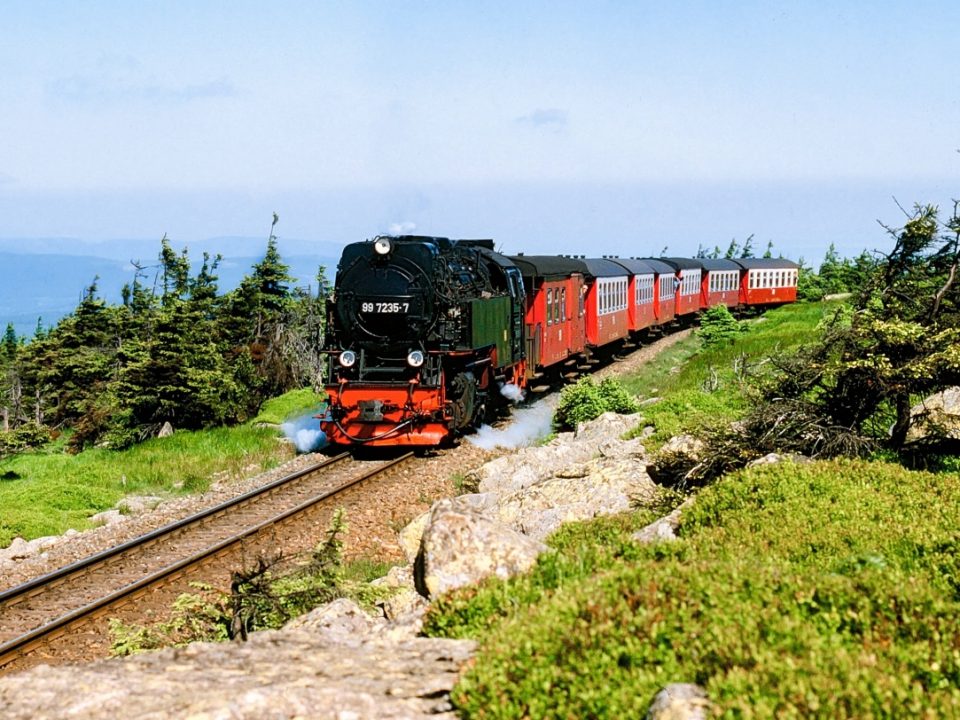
(552, 127)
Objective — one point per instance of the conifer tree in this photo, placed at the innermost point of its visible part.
(900, 343)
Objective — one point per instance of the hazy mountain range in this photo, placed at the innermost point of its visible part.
(45, 278)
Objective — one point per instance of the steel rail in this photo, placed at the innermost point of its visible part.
(35, 586)
(28, 642)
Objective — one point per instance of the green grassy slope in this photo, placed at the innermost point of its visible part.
(819, 590)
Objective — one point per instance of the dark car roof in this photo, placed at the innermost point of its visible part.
(660, 266)
(601, 267)
(718, 264)
(678, 263)
(636, 267)
(765, 263)
(548, 266)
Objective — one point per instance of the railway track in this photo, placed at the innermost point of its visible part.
(37, 615)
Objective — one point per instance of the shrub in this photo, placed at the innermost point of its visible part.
(585, 400)
(615, 397)
(820, 590)
(203, 616)
(718, 326)
(29, 435)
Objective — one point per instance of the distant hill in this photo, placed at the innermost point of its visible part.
(46, 278)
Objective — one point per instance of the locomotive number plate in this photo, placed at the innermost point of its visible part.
(385, 307)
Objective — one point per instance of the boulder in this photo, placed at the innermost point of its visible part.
(683, 445)
(341, 621)
(410, 536)
(107, 517)
(275, 674)
(462, 547)
(939, 413)
(18, 549)
(680, 701)
(513, 473)
(664, 529)
(601, 487)
(774, 458)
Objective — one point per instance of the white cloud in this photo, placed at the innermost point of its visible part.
(551, 118)
(402, 228)
(123, 79)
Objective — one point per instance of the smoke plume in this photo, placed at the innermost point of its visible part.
(512, 393)
(526, 427)
(305, 433)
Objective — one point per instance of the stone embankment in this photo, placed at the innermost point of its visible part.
(338, 661)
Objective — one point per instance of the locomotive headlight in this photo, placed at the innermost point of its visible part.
(415, 358)
(382, 246)
(348, 358)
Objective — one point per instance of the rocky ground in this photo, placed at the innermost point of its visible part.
(339, 663)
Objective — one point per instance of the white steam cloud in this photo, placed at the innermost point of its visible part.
(512, 393)
(402, 228)
(305, 433)
(525, 427)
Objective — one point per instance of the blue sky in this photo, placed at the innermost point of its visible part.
(601, 127)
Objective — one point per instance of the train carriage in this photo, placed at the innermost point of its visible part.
(555, 308)
(664, 291)
(720, 284)
(767, 281)
(606, 303)
(687, 272)
(640, 293)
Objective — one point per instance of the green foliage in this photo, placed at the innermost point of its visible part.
(899, 345)
(585, 400)
(823, 590)
(718, 326)
(28, 435)
(174, 351)
(203, 616)
(49, 491)
(579, 550)
(261, 599)
(291, 404)
(701, 387)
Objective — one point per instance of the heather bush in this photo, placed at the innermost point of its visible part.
(819, 590)
(585, 400)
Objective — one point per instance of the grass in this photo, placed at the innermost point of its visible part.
(698, 386)
(821, 590)
(292, 404)
(49, 491)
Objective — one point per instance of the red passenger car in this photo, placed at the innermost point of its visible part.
(607, 319)
(687, 272)
(720, 284)
(664, 291)
(555, 307)
(767, 281)
(640, 293)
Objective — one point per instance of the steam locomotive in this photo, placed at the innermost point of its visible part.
(425, 333)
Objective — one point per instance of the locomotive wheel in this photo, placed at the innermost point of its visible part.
(463, 395)
(479, 412)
